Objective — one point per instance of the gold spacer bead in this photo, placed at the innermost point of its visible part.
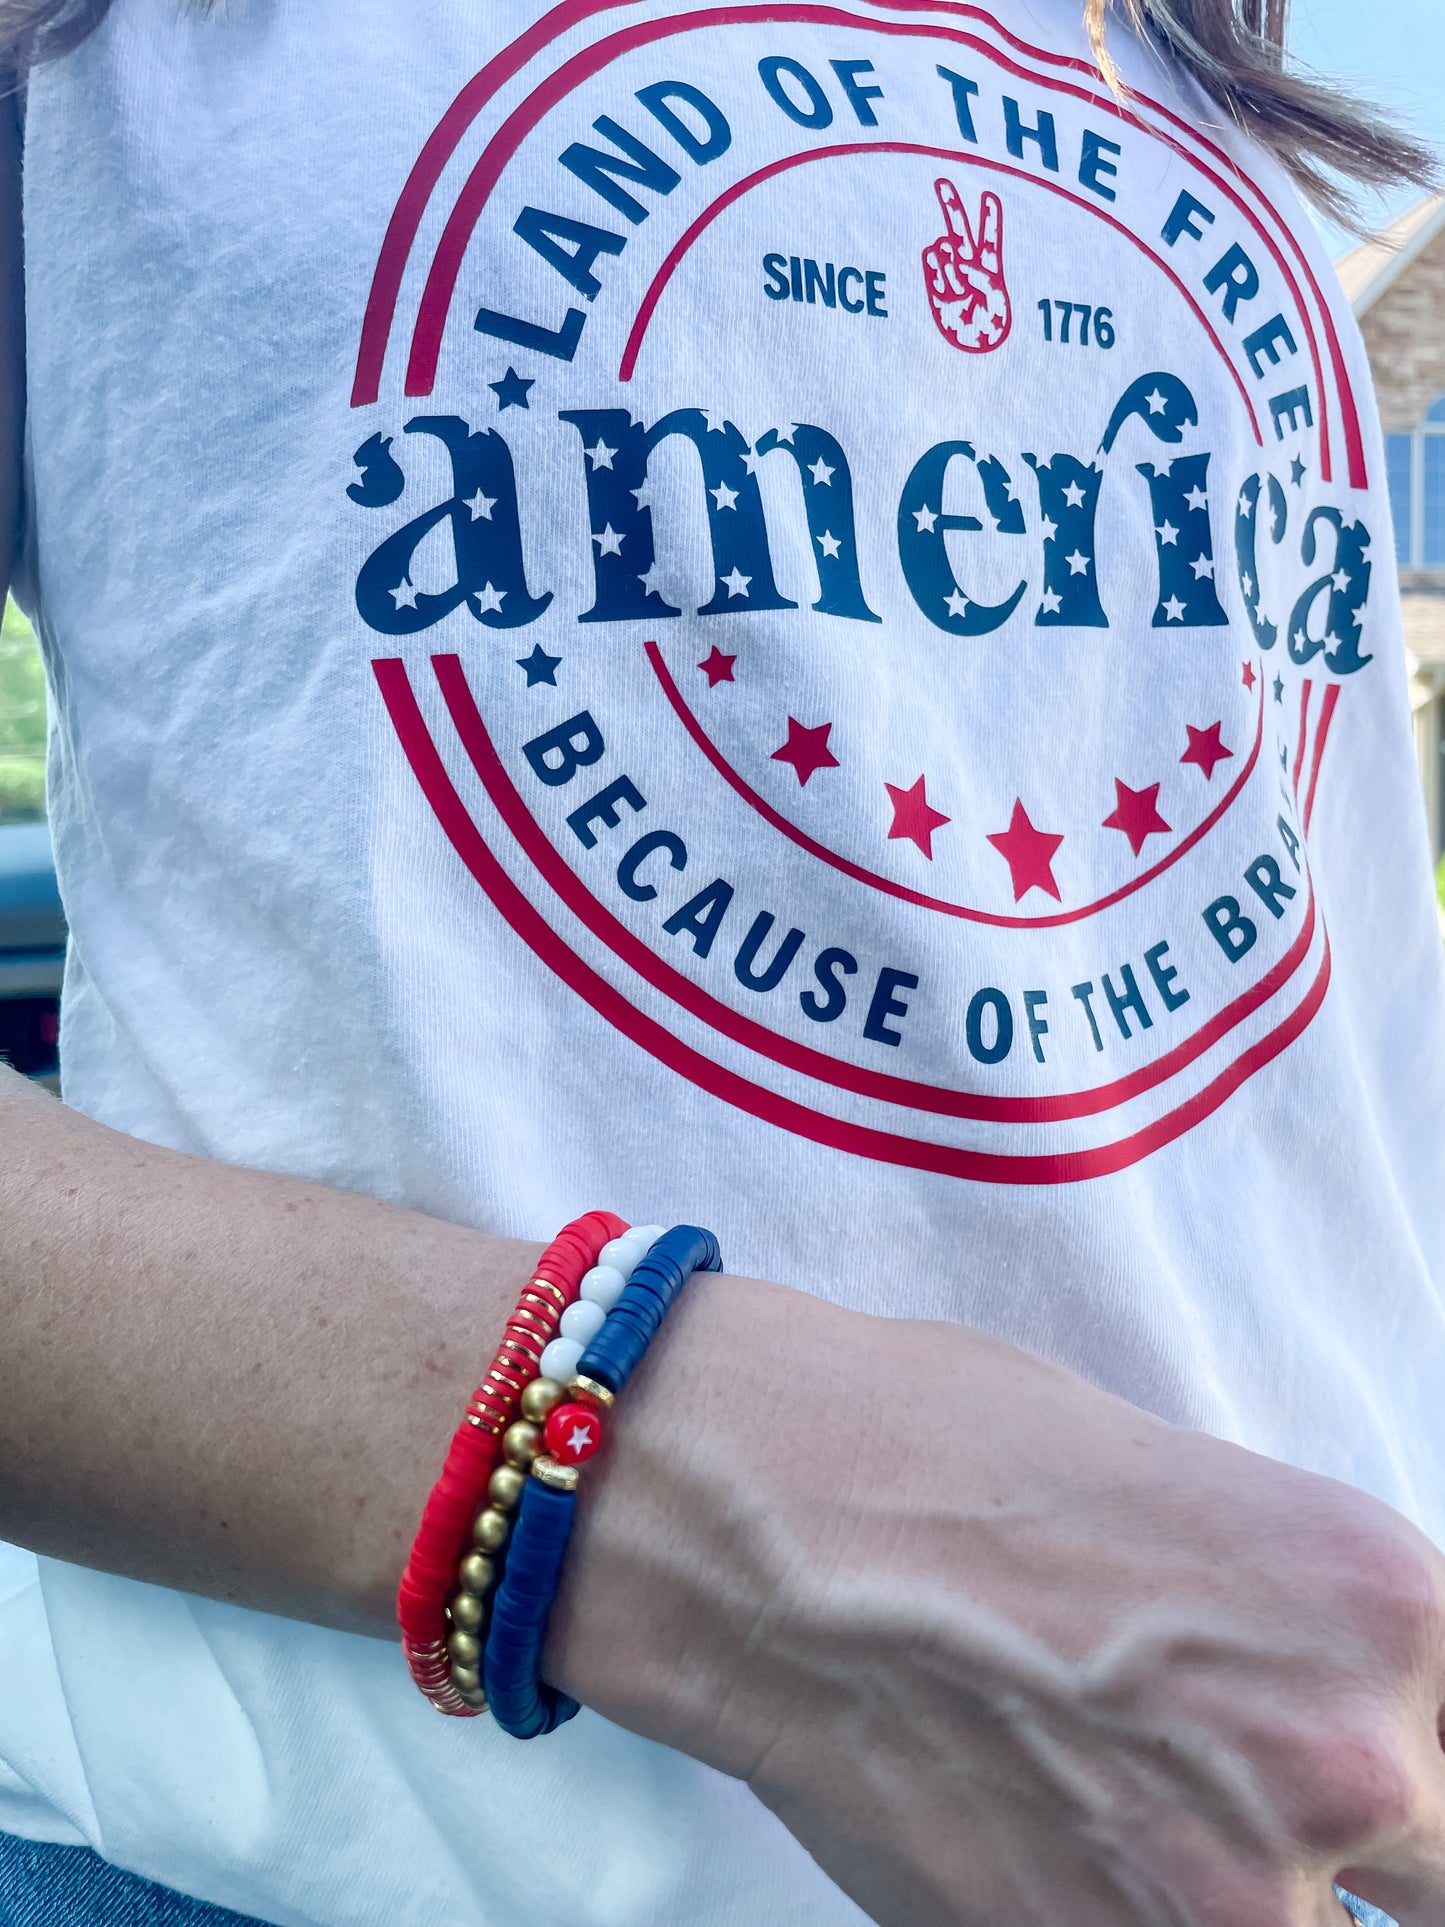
(524, 1371)
(539, 1398)
(507, 1485)
(466, 1679)
(525, 1359)
(476, 1702)
(552, 1291)
(516, 1344)
(491, 1530)
(561, 1478)
(465, 1648)
(587, 1391)
(477, 1573)
(466, 1610)
(522, 1442)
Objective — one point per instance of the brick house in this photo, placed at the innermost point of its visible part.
(1395, 282)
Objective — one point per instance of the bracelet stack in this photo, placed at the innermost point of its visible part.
(441, 1603)
(480, 1583)
(520, 1703)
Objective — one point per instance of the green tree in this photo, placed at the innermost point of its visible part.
(22, 721)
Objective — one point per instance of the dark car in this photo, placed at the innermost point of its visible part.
(32, 949)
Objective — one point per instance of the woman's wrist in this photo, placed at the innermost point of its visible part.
(788, 1473)
(771, 1470)
(688, 1527)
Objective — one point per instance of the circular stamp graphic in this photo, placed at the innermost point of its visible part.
(865, 540)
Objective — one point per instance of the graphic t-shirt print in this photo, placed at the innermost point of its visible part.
(865, 539)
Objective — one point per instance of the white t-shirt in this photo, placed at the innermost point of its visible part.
(777, 615)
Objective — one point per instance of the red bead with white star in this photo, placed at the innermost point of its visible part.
(573, 1433)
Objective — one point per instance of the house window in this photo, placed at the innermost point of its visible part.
(1415, 471)
(1399, 468)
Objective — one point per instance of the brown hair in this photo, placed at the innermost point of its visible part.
(1233, 49)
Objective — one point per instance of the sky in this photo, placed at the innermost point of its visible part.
(1392, 51)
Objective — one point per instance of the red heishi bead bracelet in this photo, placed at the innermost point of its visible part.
(446, 1521)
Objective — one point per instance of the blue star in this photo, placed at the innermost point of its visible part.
(540, 667)
(511, 390)
(1279, 689)
(1296, 471)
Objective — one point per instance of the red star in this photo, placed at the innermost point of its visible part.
(1248, 674)
(1136, 813)
(1029, 854)
(914, 817)
(717, 667)
(1205, 748)
(806, 749)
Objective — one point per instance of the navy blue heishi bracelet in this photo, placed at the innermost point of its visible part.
(519, 1702)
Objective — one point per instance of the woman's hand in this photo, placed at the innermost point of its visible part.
(1003, 1650)
(999, 1649)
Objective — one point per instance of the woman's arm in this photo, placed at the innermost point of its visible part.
(221, 1380)
(995, 1645)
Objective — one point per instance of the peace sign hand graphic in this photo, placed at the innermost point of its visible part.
(964, 276)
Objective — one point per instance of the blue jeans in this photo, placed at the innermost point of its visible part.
(73, 1887)
(1367, 1915)
(43, 1886)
